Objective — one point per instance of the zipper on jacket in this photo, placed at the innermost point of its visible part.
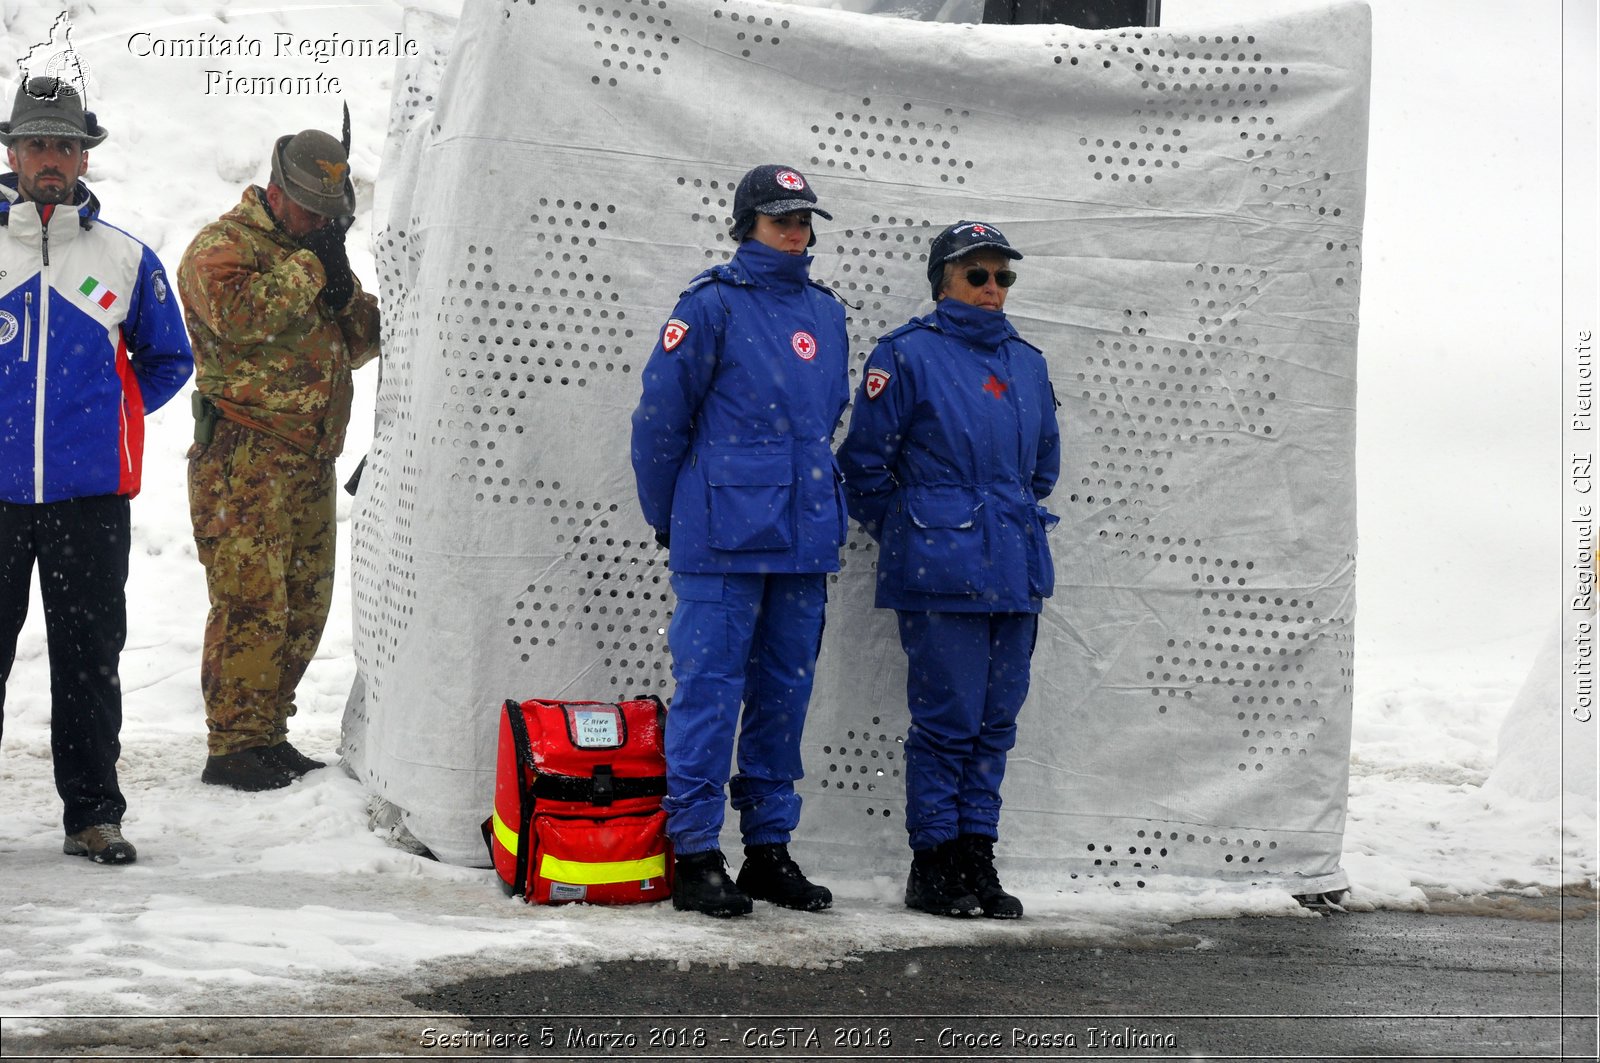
(44, 365)
(27, 325)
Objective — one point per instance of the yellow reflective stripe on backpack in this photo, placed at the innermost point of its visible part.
(504, 834)
(581, 873)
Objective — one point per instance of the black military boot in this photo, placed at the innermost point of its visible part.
(249, 769)
(700, 883)
(980, 877)
(291, 759)
(935, 884)
(769, 874)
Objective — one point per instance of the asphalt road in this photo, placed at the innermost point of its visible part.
(1488, 979)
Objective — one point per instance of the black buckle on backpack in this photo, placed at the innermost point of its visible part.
(604, 791)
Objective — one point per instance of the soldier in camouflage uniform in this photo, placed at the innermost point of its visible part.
(278, 322)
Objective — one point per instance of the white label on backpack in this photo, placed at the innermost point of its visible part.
(596, 730)
(566, 891)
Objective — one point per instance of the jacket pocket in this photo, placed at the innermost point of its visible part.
(751, 501)
(211, 486)
(945, 544)
(1041, 566)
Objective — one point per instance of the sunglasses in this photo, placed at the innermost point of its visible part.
(977, 276)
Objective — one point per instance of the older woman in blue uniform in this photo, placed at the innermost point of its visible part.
(953, 441)
(732, 456)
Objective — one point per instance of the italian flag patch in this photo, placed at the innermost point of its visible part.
(98, 292)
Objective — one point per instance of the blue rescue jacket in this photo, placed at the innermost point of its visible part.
(953, 441)
(731, 438)
(91, 339)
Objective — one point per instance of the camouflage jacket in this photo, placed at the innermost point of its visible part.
(266, 351)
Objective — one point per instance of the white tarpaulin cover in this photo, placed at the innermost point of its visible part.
(1190, 205)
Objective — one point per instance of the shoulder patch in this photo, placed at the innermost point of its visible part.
(673, 333)
(876, 381)
(158, 284)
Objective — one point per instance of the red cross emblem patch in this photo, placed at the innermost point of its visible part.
(994, 386)
(673, 334)
(877, 380)
(790, 180)
(805, 345)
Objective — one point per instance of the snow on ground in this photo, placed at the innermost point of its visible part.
(287, 901)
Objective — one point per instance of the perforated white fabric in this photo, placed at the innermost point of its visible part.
(1190, 205)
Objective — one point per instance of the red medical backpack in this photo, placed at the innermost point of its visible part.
(577, 803)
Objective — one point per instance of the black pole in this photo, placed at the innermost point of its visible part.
(1086, 14)
(999, 12)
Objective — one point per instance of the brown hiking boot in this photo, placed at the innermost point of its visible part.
(103, 843)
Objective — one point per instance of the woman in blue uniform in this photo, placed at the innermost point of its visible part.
(953, 441)
(732, 458)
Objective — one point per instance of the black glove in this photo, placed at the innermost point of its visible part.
(327, 243)
(664, 539)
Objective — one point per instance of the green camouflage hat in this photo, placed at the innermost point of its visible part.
(50, 107)
(313, 169)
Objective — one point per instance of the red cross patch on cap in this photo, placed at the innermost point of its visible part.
(790, 180)
(673, 334)
(877, 380)
(805, 345)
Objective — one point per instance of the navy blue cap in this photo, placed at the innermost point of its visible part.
(774, 190)
(960, 239)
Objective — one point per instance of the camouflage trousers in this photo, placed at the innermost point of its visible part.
(264, 528)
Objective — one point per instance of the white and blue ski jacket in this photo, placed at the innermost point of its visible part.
(91, 339)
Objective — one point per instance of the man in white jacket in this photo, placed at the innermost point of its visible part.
(90, 339)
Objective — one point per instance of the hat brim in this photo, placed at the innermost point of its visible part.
(327, 206)
(48, 128)
(1004, 249)
(340, 206)
(791, 206)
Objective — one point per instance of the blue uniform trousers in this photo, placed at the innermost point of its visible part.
(750, 638)
(967, 679)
